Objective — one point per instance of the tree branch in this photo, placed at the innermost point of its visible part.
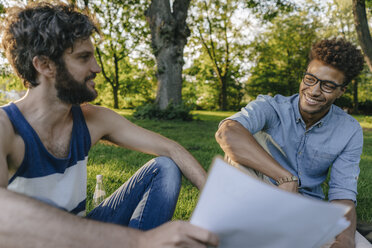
(227, 51)
(103, 68)
(212, 52)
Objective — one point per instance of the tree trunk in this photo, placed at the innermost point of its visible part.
(169, 33)
(355, 97)
(223, 94)
(116, 82)
(116, 99)
(361, 26)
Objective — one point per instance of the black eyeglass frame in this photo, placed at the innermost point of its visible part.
(322, 83)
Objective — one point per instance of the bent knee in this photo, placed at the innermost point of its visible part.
(168, 166)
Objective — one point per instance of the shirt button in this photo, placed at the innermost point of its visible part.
(299, 153)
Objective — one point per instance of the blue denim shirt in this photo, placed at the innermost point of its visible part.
(335, 142)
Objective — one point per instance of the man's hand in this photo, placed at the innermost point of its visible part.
(178, 234)
(346, 239)
(289, 186)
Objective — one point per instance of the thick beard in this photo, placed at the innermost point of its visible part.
(71, 91)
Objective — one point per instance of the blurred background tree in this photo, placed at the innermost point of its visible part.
(281, 54)
(213, 55)
(122, 50)
(219, 42)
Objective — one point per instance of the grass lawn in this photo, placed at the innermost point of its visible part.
(117, 164)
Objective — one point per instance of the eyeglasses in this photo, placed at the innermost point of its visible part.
(325, 85)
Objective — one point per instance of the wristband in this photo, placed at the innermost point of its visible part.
(286, 180)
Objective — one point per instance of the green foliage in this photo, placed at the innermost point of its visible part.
(171, 112)
(341, 24)
(219, 38)
(341, 21)
(202, 88)
(268, 10)
(344, 102)
(122, 49)
(365, 107)
(2, 101)
(281, 55)
(135, 87)
(229, 67)
(365, 85)
(2, 8)
(10, 81)
(369, 6)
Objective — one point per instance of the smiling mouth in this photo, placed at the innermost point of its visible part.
(311, 101)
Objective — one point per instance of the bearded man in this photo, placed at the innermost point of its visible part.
(45, 138)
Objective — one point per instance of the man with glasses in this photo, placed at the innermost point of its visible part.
(293, 142)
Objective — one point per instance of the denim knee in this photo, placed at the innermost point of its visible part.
(168, 169)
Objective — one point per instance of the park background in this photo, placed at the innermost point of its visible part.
(180, 67)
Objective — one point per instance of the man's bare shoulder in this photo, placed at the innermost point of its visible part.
(102, 122)
(6, 129)
(94, 112)
(6, 126)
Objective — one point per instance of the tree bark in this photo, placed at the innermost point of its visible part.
(223, 93)
(361, 26)
(169, 33)
(355, 97)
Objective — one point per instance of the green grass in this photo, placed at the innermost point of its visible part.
(117, 164)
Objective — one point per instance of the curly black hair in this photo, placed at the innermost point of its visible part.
(340, 54)
(41, 29)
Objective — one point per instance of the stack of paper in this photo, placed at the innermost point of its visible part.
(245, 212)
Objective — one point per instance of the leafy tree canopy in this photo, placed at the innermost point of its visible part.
(271, 8)
(281, 55)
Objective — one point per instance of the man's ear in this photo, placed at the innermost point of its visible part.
(44, 66)
(342, 89)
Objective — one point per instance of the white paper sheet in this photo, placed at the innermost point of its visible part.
(245, 212)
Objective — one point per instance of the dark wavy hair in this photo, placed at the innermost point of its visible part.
(41, 29)
(340, 54)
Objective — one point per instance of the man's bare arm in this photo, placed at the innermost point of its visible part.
(26, 222)
(346, 239)
(240, 146)
(120, 131)
(29, 223)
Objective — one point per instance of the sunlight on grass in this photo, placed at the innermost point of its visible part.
(213, 113)
(117, 164)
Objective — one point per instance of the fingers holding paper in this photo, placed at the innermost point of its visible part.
(179, 234)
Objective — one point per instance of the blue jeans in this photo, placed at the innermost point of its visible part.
(147, 200)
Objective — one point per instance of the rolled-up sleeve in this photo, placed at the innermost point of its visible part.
(257, 115)
(345, 170)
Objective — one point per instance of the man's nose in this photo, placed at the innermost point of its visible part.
(315, 89)
(96, 68)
